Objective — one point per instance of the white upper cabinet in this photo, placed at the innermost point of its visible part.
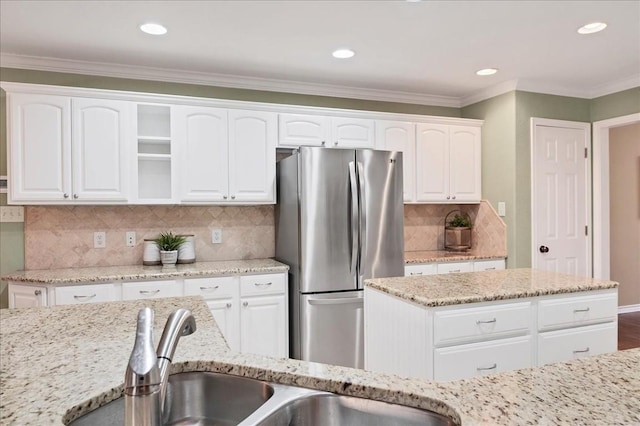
(448, 163)
(252, 156)
(400, 136)
(303, 130)
(101, 133)
(318, 130)
(202, 137)
(67, 150)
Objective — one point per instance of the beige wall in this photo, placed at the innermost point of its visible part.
(624, 202)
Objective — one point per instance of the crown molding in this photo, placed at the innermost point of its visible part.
(490, 92)
(221, 80)
(616, 86)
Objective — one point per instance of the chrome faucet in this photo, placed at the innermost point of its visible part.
(145, 381)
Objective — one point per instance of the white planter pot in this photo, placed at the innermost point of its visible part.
(169, 257)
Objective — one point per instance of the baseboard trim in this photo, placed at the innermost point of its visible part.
(628, 308)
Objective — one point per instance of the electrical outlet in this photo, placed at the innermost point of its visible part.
(216, 236)
(502, 208)
(99, 240)
(11, 214)
(130, 239)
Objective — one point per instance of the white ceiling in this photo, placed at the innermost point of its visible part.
(421, 52)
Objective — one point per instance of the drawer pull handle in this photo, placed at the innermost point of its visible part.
(581, 351)
(581, 310)
(85, 297)
(416, 273)
(147, 292)
(490, 269)
(493, 367)
(228, 305)
(491, 321)
(455, 270)
(210, 288)
(262, 284)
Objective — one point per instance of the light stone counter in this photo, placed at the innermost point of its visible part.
(472, 287)
(100, 274)
(434, 256)
(62, 361)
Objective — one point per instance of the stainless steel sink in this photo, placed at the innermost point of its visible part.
(196, 398)
(330, 410)
(205, 399)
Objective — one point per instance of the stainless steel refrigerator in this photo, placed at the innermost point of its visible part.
(339, 221)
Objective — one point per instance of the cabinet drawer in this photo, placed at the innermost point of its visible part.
(262, 284)
(151, 290)
(454, 267)
(484, 323)
(94, 293)
(563, 345)
(577, 310)
(479, 359)
(488, 265)
(421, 269)
(211, 288)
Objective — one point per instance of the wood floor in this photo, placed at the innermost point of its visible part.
(629, 331)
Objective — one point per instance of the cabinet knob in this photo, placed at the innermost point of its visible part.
(228, 305)
(233, 197)
(37, 292)
(454, 197)
(66, 195)
(336, 143)
(224, 197)
(245, 303)
(448, 197)
(75, 196)
(323, 143)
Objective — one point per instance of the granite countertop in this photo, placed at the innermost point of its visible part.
(471, 287)
(429, 256)
(101, 274)
(60, 362)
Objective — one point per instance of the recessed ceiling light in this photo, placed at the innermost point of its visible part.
(153, 29)
(487, 71)
(343, 53)
(591, 28)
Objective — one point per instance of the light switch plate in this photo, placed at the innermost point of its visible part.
(502, 208)
(11, 214)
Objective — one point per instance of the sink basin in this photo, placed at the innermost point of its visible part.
(330, 409)
(207, 399)
(196, 398)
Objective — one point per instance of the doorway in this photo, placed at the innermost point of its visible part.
(560, 196)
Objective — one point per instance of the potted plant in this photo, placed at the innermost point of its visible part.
(457, 231)
(169, 243)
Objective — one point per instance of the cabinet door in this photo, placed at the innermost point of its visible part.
(201, 136)
(252, 156)
(465, 182)
(302, 130)
(226, 312)
(400, 136)
(39, 147)
(263, 326)
(352, 133)
(25, 296)
(102, 134)
(432, 163)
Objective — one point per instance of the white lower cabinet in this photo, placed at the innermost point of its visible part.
(453, 267)
(79, 294)
(151, 289)
(263, 328)
(467, 340)
(26, 296)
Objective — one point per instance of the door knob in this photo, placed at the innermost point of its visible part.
(544, 249)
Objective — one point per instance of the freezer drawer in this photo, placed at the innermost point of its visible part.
(332, 327)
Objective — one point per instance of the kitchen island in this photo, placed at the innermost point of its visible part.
(60, 362)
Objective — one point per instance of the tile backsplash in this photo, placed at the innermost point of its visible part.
(62, 236)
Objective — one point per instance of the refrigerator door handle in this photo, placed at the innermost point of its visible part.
(362, 222)
(341, 301)
(354, 215)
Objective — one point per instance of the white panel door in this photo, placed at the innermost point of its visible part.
(352, 133)
(201, 136)
(226, 312)
(432, 162)
(252, 156)
(263, 327)
(560, 199)
(465, 175)
(39, 147)
(102, 134)
(400, 136)
(303, 130)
